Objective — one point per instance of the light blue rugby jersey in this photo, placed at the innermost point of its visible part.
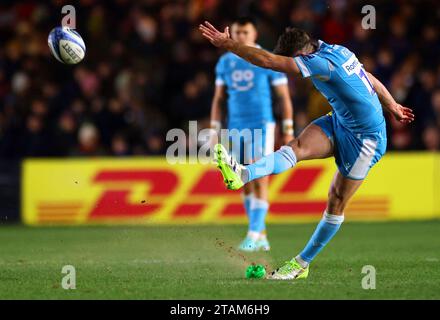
(337, 73)
(249, 91)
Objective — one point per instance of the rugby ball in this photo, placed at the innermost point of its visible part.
(66, 45)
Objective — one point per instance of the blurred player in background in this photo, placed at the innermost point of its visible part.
(354, 133)
(246, 89)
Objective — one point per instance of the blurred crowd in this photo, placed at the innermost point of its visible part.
(147, 70)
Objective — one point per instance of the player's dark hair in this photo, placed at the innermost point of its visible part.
(292, 40)
(244, 20)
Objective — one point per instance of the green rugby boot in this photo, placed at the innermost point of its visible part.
(289, 271)
(229, 167)
(263, 245)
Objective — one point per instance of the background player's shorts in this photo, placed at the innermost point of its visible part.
(355, 153)
(249, 145)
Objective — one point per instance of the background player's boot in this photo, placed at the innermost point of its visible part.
(248, 245)
(289, 271)
(229, 167)
(263, 244)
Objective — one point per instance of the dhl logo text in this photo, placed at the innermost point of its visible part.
(167, 195)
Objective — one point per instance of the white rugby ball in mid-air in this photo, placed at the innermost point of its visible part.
(66, 45)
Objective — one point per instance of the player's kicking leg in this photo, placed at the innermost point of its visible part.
(313, 143)
(341, 190)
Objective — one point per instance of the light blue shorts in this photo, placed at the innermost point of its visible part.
(249, 145)
(355, 153)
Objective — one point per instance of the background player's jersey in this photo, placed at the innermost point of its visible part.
(340, 77)
(249, 91)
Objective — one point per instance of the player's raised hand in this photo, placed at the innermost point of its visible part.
(403, 114)
(216, 37)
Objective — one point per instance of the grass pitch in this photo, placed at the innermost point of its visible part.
(199, 262)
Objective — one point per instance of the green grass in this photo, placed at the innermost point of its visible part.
(196, 262)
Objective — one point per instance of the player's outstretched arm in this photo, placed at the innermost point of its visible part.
(256, 56)
(401, 113)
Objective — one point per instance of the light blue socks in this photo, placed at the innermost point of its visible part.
(324, 232)
(274, 163)
(247, 200)
(259, 208)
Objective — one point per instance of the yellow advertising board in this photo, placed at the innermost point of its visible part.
(152, 191)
